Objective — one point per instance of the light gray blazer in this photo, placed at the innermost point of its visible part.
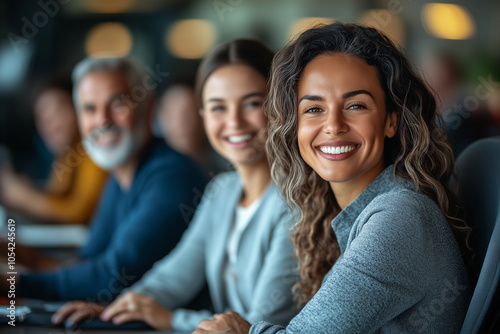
(266, 269)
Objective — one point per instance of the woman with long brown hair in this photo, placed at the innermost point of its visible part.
(355, 148)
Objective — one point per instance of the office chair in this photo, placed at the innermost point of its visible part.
(478, 169)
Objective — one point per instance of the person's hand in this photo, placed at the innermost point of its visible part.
(13, 187)
(77, 311)
(135, 307)
(230, 323)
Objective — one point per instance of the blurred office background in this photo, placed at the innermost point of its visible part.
(47, 37)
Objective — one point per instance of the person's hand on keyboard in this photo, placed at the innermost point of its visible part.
(135, 307)
(76, 311)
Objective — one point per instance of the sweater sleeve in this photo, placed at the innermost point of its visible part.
(188, 320)
(380, 275)
(265, 327)
(149, 231)
(272, 298)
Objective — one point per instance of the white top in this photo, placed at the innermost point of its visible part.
(242, 218)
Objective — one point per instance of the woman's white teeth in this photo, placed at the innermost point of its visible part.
(337, 149)
(239, 139)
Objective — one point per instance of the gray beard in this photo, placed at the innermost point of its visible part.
(113, 156)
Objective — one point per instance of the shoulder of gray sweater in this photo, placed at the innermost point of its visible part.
(403, 194)
(403, 201)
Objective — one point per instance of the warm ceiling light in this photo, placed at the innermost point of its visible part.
(386, 22)
(191, 39)
(305, 23)
(448, 21)
(108, 38)
(109, 6)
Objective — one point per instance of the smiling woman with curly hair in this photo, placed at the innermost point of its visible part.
(355, 148)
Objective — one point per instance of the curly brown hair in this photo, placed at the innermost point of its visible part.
(419, 152)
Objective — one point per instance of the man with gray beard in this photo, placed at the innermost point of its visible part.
(139, 218)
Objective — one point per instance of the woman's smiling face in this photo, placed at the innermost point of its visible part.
(342, 120)
(232, 112)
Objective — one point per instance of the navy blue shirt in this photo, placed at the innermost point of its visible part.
(130, 231)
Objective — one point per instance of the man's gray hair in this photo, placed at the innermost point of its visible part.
(130, 67)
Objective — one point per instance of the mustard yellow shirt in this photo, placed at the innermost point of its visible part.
(73, 189)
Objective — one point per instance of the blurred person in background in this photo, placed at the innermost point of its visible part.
(182, 127)
(443, 73)
(486, 119)
(492, 122)
(75, 182)
(139, 218)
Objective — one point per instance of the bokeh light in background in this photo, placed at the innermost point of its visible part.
(305, 23)
(191, 39)
(448, 21)
(111, 38)
(390, 24)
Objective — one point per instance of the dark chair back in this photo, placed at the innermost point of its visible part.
(478, 169)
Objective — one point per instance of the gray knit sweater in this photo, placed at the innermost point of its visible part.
(400, 269)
